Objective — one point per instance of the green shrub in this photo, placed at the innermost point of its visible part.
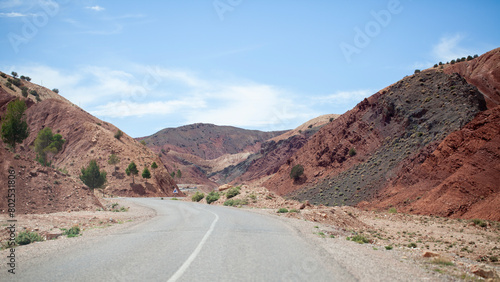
(294, 210)
(352, 152)
(235, 203)
(72, 232)
(452, 62)
(388, 247)
(417, 71)
(118, 134)
(297, 172)
(233, 192)
(282, 210)
(479, 222)
(212, 197)
(174, 199)
(27, 237)
(412, 245)
(198, 196)
(360, 239)
(393, 210)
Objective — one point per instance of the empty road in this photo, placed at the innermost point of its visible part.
(188, 242)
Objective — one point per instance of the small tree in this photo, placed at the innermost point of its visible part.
(55, 90)
(113, 160)
(14, 74)
(92, 177)
(179, 173)
(172, 174)
(146, 174)
(417, 71)
(296, 172)
(352, 152)
(46, 143)
(118, 134)
(132, 170)
(14, 126)
(469, 58)
(154, 166)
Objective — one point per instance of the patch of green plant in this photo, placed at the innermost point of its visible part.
(442, 261)
(174, 199)
(198, 196)
(296, 172)
(72, 232)
(332, 236)
(232, 192)
(212, 197)
(27, 237)
(114, 205)
(360, 239)
(392, 210)
(388, 247)
(479, 222)
(295, 210)
(235, 203)
(412, 245)
(282, 210)
(352, 152)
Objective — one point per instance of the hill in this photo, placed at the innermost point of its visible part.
(86, 138)
(199, 150)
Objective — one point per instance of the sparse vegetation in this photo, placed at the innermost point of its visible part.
(113, 160)
(360, 239)
(72, 232)
(118, 134)
(92, 177)
(234, 191)
(14, 126)
(154, 165)
(46, 144)
(55, 90)
(412, 245)
(417, 71)
(296, 172)
(143, 142)
(179, 173)
(198, 196)
(27, 237)
(132, 170)
(388, 247)
(212, 197)
(479, 222)
(235, 203)
(442, 261)
(282, 210)
(392, 210)
(14, 74)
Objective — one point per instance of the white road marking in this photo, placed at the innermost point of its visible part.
(195, 253)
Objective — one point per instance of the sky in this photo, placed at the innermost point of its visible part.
(260, 64)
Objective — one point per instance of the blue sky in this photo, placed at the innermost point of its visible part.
(267, 65)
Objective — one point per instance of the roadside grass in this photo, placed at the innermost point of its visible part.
(235, 203)
(72, 232)
(282, 210)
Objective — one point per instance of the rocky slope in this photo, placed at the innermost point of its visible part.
(484, 73)
(458, 179)
(87, 138)
(351, 159)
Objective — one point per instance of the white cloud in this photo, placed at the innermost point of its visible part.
(13, 15)
(96, 8)
(345, 96)
(448, 48)
(147, 92)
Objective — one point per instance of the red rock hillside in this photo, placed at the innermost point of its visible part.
(89, 138)
(459, 179)
(484, 73)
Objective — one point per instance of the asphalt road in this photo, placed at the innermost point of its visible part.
(190, 242)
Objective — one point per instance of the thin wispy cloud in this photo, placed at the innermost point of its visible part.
(449, 48)
(14, 15)
(96, 8)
